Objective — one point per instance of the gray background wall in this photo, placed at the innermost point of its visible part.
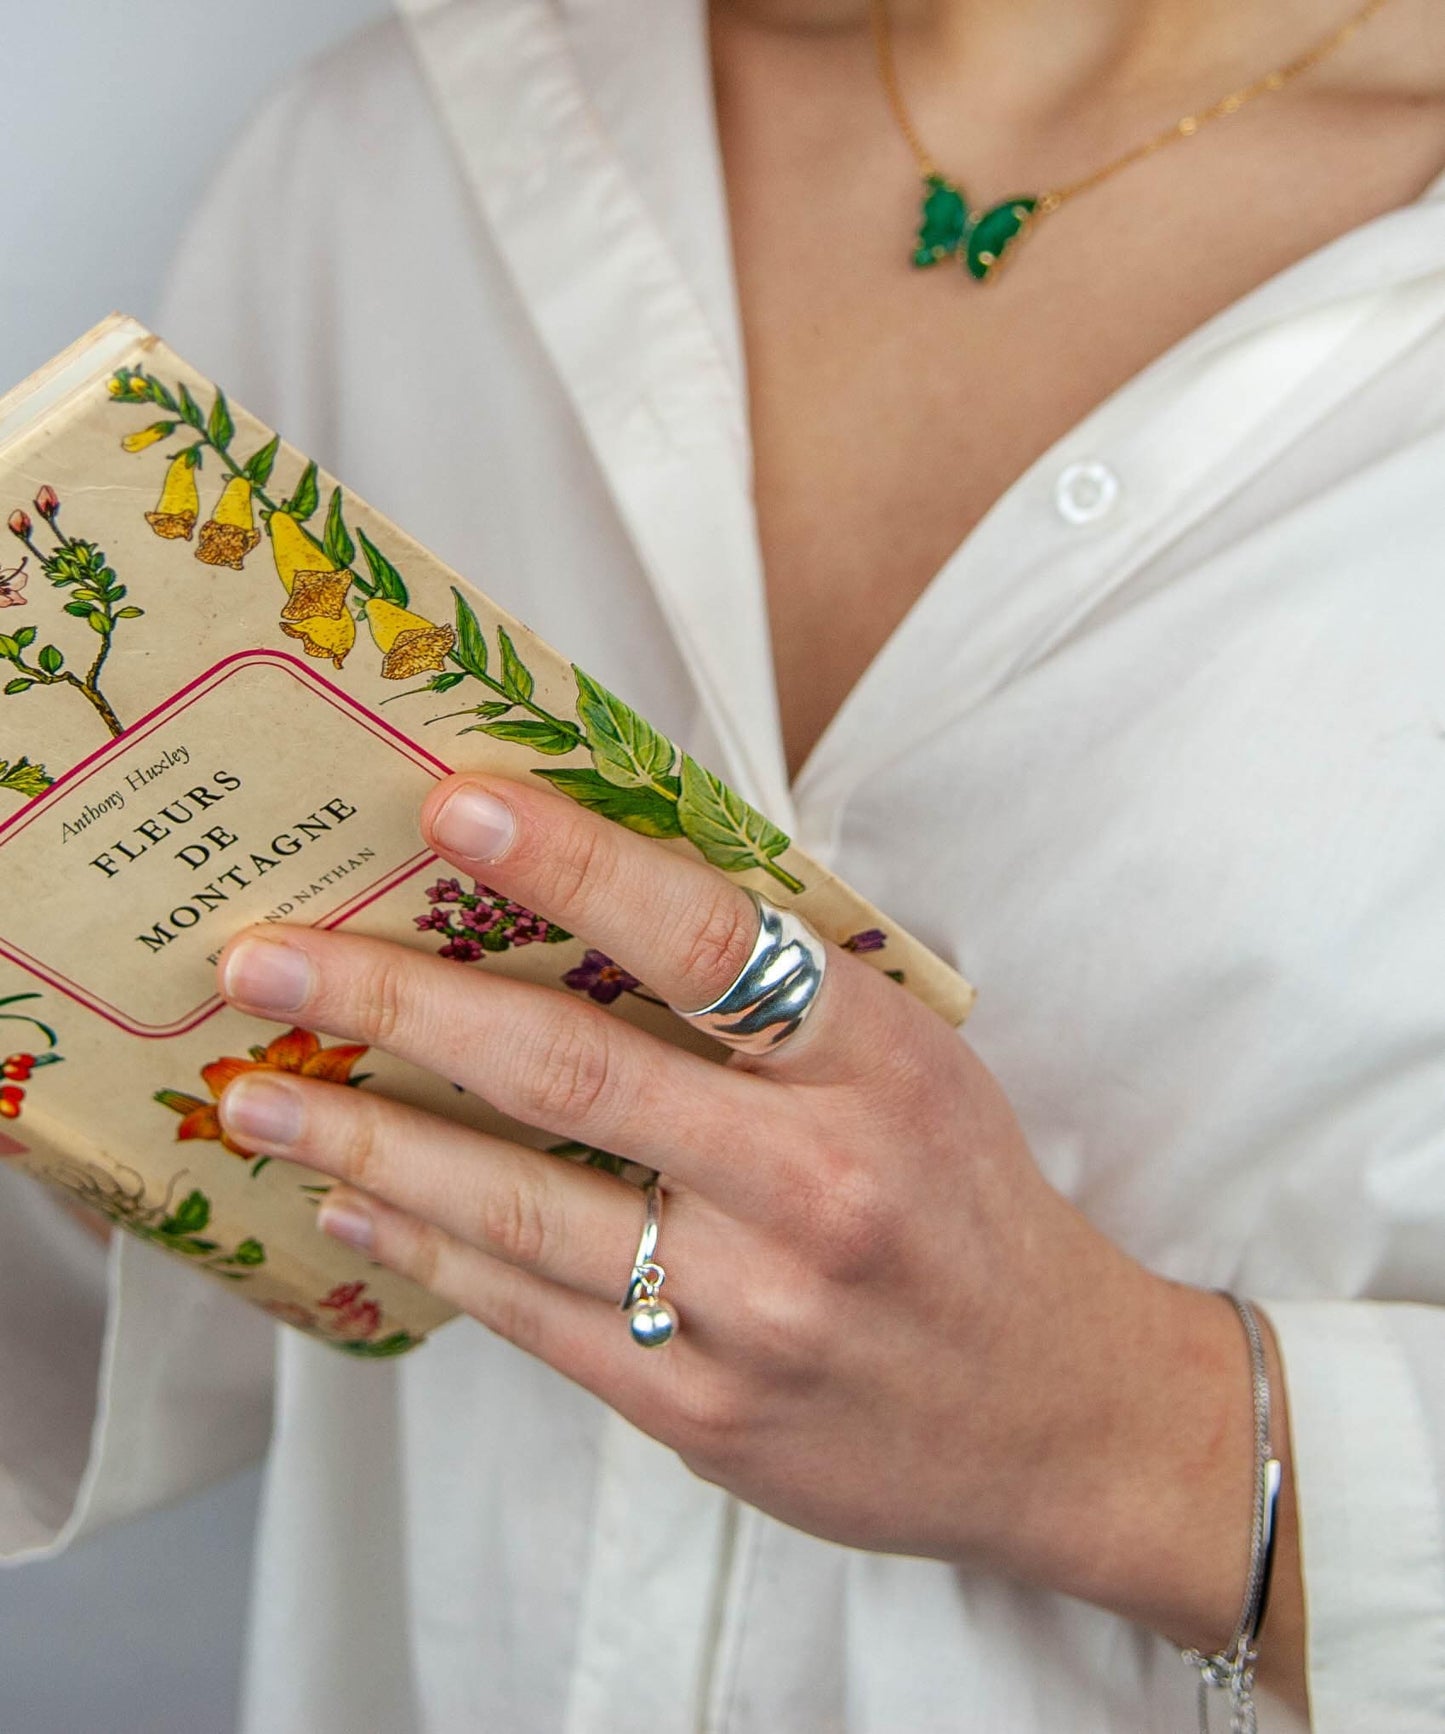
(114, 115)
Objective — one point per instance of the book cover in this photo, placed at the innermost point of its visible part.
(200, 636)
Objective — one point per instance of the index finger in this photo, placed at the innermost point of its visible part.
(677, 925)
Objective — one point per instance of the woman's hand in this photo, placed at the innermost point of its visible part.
(894, 1333)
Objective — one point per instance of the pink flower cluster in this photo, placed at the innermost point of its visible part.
(482, 920)
(355, 1319)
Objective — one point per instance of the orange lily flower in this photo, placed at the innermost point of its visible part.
(298, 1051)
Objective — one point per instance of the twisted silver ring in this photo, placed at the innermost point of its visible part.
(774, 990)
(652, 1320)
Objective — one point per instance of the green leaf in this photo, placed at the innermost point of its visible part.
(542, 737)
(50, 659)
(25, 637)
(98, 622)
(337, 540)
(470, 651)
(249, 1252)
(646, 811)
(198, 1245)
(306, 498)
(721, 825)
(384, 575)
(8, 647)
(192, 1215)
(589, 1156)
(26, 779)
(191, 410)
(177, 1101)
(625, 748)
(77, 608)
(396, 1344)
(259, 465)
(130, 613)
(516, 677)
(220, 428)
(19, 684)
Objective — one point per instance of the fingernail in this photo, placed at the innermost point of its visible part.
(348, 1222)
(268, 975)
(474, 824)
(262, 1110)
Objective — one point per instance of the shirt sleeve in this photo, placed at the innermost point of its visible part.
(128, 1381)
(1365, 1387)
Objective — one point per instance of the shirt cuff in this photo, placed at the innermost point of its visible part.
(127, 1381)
(1365, 1409)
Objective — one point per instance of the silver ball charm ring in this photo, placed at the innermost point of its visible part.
(652, 1320)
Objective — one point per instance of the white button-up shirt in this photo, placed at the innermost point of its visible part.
(1158, 758)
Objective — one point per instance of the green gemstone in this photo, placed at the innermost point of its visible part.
(944, 219)
(991, 235)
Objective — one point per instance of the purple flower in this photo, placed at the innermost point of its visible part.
(479, 917)
(600, 978)
(446, 891)
(871, 939)
(434, 919)
(464, 950)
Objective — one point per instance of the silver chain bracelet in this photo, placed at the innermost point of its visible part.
(1232, 1668)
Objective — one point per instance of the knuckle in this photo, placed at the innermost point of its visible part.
(853, 1226)
(708, 1421)
(356, 1137)
(577, 860)
(784, 1324)
(387, 1006)
(713, 951)
(515, 1223)
(422, 1260)
(568, 1077)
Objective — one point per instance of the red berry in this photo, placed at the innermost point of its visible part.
(10, 1100)
(18, 1066)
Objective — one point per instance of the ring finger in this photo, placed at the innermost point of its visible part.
(571, 1224)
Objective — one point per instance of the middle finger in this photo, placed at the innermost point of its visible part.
(543, 1059)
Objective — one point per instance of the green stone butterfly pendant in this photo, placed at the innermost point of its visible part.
(981, 239)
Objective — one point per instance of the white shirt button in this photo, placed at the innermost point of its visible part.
(1085, 492)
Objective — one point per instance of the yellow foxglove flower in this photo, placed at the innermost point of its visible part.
(294, 550)
(315, 610)
(180, 504)
(324, 634)
(410, 643)
(148, 436)
(230, 533)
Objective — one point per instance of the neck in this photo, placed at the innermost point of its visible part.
(1052, 50)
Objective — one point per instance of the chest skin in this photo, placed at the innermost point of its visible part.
(891, 406)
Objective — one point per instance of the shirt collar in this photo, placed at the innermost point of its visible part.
(646, 348)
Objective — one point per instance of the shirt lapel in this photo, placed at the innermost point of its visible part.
(651, 365)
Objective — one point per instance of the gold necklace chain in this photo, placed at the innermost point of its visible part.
(1185, 127)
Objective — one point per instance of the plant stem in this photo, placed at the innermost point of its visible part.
(92, 693)
(496, 686)
(782, 875)
(204, 438)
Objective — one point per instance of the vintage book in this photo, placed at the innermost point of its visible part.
(199, 632)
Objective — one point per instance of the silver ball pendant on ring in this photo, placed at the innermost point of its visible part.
(652, 1322)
